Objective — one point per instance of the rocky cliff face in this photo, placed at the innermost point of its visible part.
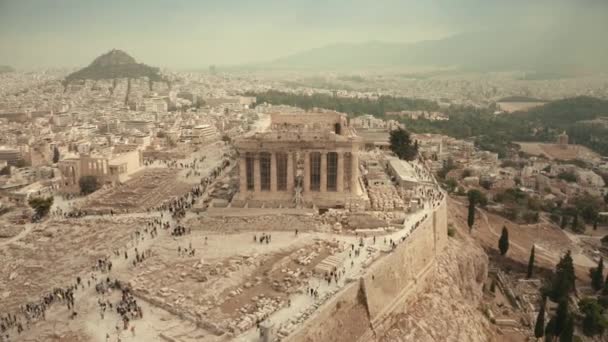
(448, 310)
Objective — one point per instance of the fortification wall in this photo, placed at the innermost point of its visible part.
(343, 318)
(391, 281)
(387, 281)
(382, 292)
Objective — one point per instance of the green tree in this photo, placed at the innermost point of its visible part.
(563, 279)
(605, 290)
(41, 206)
(588, 206)
(478, 197)
(471, 214)
(539, 328)
(56, 155)
(562, 315)
(594, 321)
(567, 334)
(564, 222)
(550, 330)
(88, 184)
(567, 176)
(531, 263)
(401, 144)
(597, 276)
(503, 242)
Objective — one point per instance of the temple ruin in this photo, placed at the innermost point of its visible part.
(304, 159)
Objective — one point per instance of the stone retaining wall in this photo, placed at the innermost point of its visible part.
(383, 291)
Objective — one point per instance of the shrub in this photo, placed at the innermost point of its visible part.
(41, 206)
(88, 184)
(567, 176)
(451, 231)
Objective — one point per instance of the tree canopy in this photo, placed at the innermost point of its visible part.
(41, 206)
(401, 144)
(531, 263)
(594, 321)
(539, 328)
(503, 242)
(354, 106)
(563, 279)
(88, 184)
(597, 276)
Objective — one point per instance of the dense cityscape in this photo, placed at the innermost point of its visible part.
(306, 199)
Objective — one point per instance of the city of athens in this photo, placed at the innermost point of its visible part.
(303, 171)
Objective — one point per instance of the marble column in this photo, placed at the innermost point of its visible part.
(323, 182)
(340, 173)
(354, 180)
(273, 172)
(290, 173)
(306, 174)
(257, 177)
(243, 174)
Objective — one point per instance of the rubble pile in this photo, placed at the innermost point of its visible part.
(385, 198)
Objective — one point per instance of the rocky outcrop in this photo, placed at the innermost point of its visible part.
(448, 310)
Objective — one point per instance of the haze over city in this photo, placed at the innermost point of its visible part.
(303, 171)
(195, 34)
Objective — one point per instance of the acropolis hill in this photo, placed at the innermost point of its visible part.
(288, 233)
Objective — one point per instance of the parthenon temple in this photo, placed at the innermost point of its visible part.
(304, 159)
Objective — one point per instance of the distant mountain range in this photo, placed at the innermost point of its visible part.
(115, 64)
(478, 51)
(5, 68)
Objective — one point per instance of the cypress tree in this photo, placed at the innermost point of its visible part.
(503, 242)
(561, 317)
(550, 330)
(531, 263)
(597, 276)
(471, 216)
(567, 334)
(564, 222)
(539, 328)
(563, 279)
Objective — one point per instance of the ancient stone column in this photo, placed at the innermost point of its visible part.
(273, 172)
(323, 183)
(257, 177)
(243, 174)
(354, 180)
(306, 175)
(340, 173)
(290, 173)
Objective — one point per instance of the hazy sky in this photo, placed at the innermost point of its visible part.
(196, 33)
